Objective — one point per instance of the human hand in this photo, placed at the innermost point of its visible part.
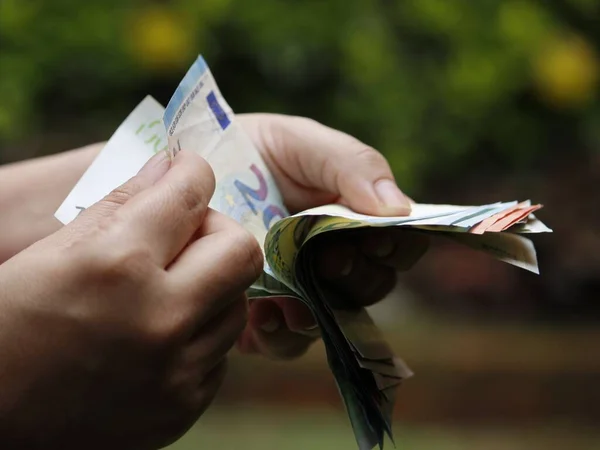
(315, 165)
(31, 192)
(114, 330)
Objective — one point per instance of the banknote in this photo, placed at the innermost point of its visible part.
(137, 139)
(197, 118)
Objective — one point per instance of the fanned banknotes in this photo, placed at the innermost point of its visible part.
(198, 118)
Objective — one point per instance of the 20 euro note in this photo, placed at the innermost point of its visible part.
(198, 119)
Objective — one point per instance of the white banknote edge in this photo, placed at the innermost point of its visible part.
(129, 148)
(507, 247)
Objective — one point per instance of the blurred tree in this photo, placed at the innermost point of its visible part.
(429, 82)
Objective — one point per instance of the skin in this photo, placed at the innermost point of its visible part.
(113, 329)
(133, 306)
(315, 165)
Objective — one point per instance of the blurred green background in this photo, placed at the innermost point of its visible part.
(471, 101)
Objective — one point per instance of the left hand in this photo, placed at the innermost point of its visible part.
(315, 165)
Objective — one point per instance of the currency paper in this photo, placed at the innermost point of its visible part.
(199, 119)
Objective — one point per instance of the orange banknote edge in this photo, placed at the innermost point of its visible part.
(511, 219)
(481, 227)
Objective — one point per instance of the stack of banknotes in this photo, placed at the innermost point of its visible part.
(198, 118)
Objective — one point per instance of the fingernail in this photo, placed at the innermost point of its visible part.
(156, 166)
(383, 247)
(271, 325)
(347, 268)
(391, 197)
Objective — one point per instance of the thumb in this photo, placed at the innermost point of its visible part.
(150, 173)
(366, 184)
(321, 158)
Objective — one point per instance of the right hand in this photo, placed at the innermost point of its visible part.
(114, 330)
(315, 165)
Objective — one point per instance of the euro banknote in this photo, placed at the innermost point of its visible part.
(198, 118)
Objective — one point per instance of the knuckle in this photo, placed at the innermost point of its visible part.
(193, 396)
(125, 262)
(122, 194)
(369, 156)
(113, 267)
(162, 332)
(167, 323)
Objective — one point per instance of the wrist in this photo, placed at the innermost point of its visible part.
(30, 193)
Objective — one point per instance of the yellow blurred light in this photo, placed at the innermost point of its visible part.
(566, 72)
(160, 39)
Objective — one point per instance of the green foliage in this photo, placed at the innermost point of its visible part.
(428, 82)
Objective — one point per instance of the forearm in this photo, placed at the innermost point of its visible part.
(30, 193)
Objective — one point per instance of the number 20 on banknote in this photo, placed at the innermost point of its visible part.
(259, 195)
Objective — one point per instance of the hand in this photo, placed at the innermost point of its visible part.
(315, 165)
(114, 330)
(30, 194)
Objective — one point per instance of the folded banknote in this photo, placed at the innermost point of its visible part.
(199, 119)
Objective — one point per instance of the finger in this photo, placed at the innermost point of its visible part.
(180, 410)
(165, 216)
(213, 269)
(336, 257)
(208, 388)
(396, 248)
(297, 317)
(154, 169)
(327, 160)
(208, 348)
(212, 341)
(357, 280)
(280, 343)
